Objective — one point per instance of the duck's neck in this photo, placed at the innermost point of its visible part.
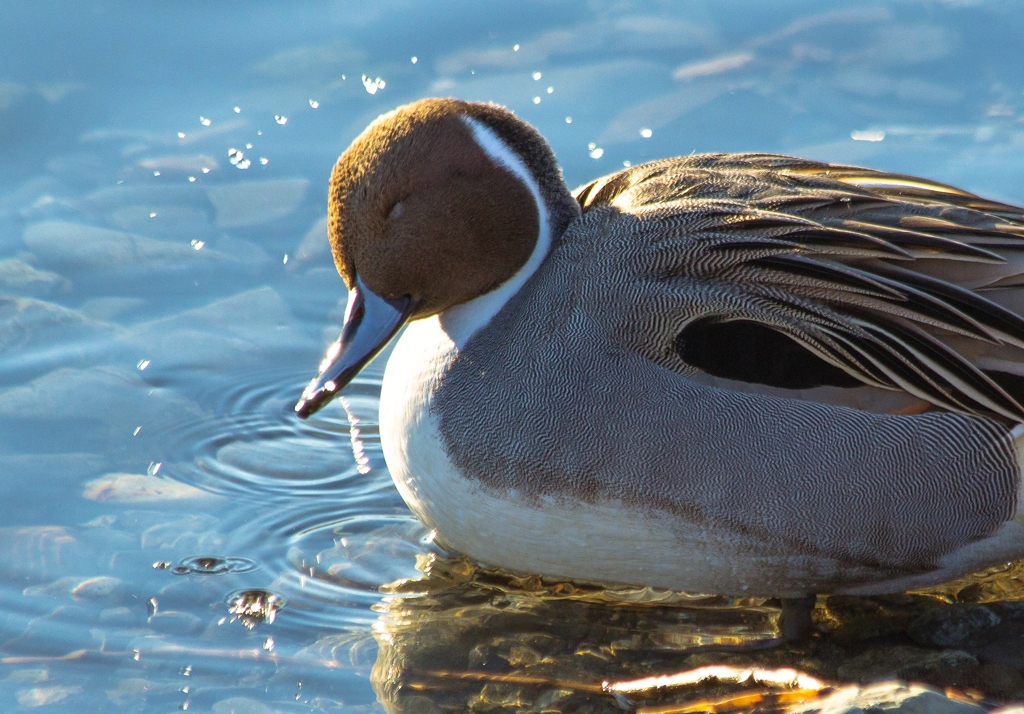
(460, 322)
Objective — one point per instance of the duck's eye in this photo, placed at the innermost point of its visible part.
(397, 210)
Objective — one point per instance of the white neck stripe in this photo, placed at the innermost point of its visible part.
(462, 321)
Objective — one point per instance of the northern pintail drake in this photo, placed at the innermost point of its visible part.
(723, 373)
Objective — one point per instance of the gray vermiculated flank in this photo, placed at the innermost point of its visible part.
(583, 397)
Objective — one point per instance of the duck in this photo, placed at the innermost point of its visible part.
(739, 374)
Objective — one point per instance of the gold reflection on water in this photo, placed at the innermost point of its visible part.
(468, 638)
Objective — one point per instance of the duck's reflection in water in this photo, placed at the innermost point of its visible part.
(466, 638)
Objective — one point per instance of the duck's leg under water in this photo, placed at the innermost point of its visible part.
(795, 618)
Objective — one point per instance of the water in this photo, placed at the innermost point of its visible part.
(168, 290)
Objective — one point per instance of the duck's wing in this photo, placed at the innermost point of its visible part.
(890, 280)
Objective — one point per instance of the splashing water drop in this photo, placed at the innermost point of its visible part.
(314, 103)
(198, 244)
(191, 179)
(627, 163)
(153, 214)
(204, 121)
(143, 363)
(206, 170)
(646, 133)
(238, 110)
(536, 100)
(280, 120)
(414, 60)
(550, 90)
(156, 173)
(181, 135)
(285, 261)
(568, 120)
(373, 85)
(515, 48)
(264, 160)
(154, 468)
(537, 76)
(596, 152)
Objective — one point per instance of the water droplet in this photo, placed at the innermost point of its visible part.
(627, 163)
(285, 261)
(342, 78)
(206, 170)
(186, 671)
(373, 85)
(238, 110)
(515, 48)
(259, 133)
(268, 644)
(550, 90)
(191, 179)
(137, 430)
(314, 103)
(153, 214)
(536, 100)
(280, 120)
(646, 133)
(248, 146)
(537, 76)
(156, 173)
(596, 153)
(264, 160)
(414, 60)
(181, 135)
(161, 565)
(152, 606)
(204, 121)
(136, 654)
(591, 146)
(198, 244)
(143, 363)
(154, 468)
(244, 164)
(568, 120)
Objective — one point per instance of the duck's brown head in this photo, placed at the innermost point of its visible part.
(434, 204)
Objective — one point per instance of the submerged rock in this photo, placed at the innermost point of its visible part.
(890, 697)
(251, 203)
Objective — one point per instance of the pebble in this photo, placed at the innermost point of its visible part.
(251, 203)
(18, 278)
(62, 243)
(890, 697)
(140, 488)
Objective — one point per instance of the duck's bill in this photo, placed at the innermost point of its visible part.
(370, 323)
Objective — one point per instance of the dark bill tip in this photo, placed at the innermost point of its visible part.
(370, 323)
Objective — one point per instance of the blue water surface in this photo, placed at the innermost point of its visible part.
(167, 287)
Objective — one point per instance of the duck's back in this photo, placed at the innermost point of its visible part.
(694, 342)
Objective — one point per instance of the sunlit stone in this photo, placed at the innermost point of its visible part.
(139, 488)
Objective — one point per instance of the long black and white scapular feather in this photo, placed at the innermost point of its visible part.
(891, 279)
